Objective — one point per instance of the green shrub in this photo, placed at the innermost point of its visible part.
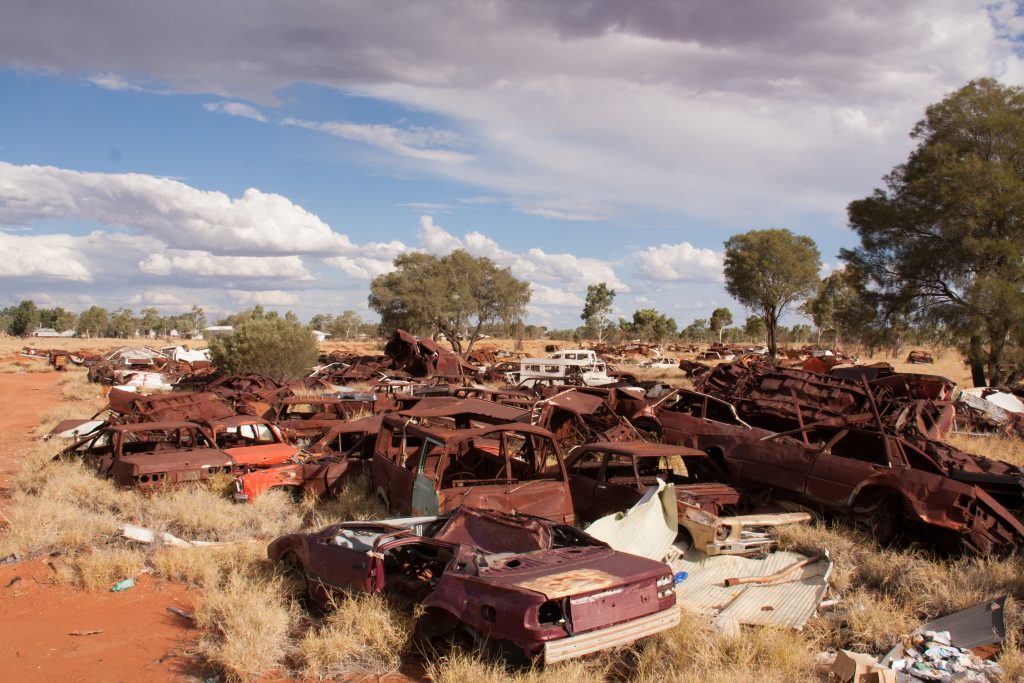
(275, 347)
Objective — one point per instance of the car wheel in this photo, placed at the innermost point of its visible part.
(879, 516)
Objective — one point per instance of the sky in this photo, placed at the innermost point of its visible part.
(238, 153)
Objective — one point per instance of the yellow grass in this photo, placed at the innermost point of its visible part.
(247, 622)
(362, 635)
(25, 365)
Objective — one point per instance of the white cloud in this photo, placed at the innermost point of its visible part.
(183, 217)
(236, 109)
(681, 262)
(273, 297)
(534, 265)
(425, 144)
(687, 106)
(542, 295)
(51, 257)
(156, 298)
(112, 81)
(436, 239)
(205, 264)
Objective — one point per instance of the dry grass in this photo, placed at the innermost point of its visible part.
(362, 635)
(75, 386)
(248, 621)
(461, 667)
(1006, 448)
(10, 366)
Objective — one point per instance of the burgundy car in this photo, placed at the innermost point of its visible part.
(516, 585)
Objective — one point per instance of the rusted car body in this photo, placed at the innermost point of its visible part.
(185, 406)
(689, 418)
(516, 585)
(250, 441)
(321, 469)
(303, 417)
(422, 470)
(424, 357)
(882, 482)
(576, 418)
(611, 477)
(151, 455)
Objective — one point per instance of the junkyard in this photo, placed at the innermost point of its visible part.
(602, 341)
(429, 524)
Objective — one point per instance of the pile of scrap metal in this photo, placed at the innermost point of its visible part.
(424, 357)
(57, 358)
(142, 367)
(782, 399)
(867, 451)
(920, 357)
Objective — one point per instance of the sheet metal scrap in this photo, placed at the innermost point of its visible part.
(787, 588)
(173, 407)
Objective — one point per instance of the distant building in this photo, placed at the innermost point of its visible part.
(321, 337)
(50, 332)
(218, 330)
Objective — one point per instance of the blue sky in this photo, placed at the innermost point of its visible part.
(262, 153)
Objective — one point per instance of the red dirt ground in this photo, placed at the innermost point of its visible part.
(140, 640)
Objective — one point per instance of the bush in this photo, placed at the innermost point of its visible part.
(274, 347)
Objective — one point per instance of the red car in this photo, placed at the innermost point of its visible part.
(517, 585)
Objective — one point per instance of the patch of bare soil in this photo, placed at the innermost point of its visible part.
(137, 638)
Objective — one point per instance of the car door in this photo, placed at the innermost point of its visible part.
(333, 566)
(619, 487)
(850, 457)
(584, 476)
(780, 463)
(424, 489)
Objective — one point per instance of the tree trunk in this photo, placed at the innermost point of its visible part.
(771, 323)
(976, 356)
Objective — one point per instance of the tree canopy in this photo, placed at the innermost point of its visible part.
(455, 295)
(649, 325)
(943, 241)
(721, 318)
(598, 308)
(769, 270)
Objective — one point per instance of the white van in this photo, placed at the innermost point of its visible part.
(569, 366)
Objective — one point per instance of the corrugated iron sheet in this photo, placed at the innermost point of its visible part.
(789, 603)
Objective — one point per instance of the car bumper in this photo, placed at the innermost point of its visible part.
(610, 637)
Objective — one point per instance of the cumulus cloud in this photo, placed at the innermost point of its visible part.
(242, 109)
(274, 297)
(543, 295)
(49, 257)
(205, 264)
(681, 262)
(534, 265)
(183, 217)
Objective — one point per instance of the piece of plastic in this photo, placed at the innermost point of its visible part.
(123, 585)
